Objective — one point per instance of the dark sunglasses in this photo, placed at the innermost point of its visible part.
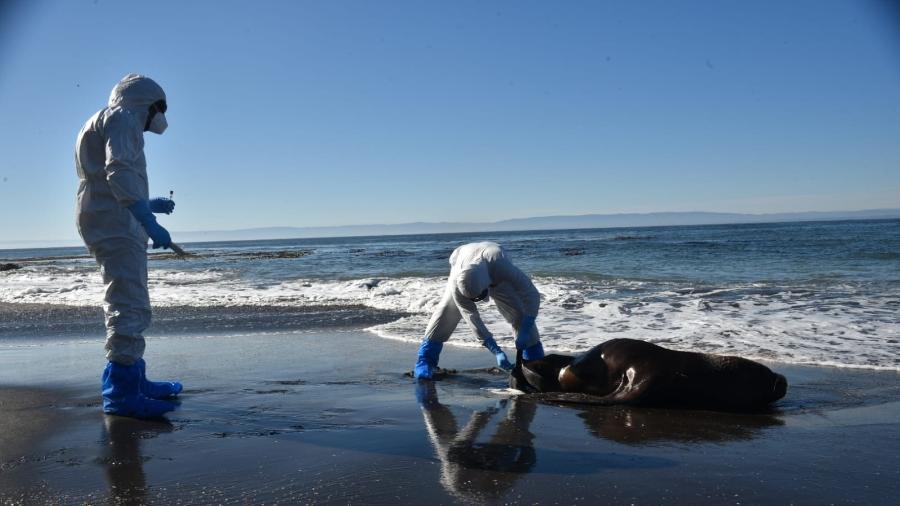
(159, 106)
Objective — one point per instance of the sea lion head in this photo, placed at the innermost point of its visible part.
(750, 383)
(540, 375)
(544, 373)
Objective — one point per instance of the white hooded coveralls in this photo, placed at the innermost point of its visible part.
(475, 267)
(109, 160)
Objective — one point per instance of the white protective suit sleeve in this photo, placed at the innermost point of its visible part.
(125, 164)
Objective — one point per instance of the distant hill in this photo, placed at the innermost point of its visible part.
(537, 223)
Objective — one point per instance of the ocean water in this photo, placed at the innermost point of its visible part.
(823, 293)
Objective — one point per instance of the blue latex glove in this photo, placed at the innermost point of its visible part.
(525, 330)
(142, 213)
(162, 205)
(502, 361)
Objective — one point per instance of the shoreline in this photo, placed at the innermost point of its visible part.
(37, 323)
(34, 321)
(327, 417)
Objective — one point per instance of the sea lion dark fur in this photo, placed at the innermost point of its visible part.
(629, 371)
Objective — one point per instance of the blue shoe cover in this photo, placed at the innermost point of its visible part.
(157, 389)
(427, 361)
(533, 352)
(122, 393)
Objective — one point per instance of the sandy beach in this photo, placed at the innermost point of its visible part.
(327, 416)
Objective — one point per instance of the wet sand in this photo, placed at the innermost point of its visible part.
(39, 322)
(328, 417)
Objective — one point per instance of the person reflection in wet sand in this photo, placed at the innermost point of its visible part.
(123, 459)
(473, 470)
(637, 426)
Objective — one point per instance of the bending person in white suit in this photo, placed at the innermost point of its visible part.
(480, 271)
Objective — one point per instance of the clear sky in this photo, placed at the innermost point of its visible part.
(333, 113)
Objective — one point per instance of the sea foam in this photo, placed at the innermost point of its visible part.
(845, 326)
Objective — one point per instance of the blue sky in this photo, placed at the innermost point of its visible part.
(335, 113)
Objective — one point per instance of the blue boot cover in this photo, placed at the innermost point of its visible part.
(533, 352)
(122, 393)
(427, 361)
(157, 389)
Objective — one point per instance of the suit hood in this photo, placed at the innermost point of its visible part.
(136, 92)
(473, 280)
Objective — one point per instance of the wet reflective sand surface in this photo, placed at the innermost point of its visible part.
(328, 417)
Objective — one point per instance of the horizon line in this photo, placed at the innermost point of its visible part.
(792, 216)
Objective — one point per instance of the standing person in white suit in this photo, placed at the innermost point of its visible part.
(115, 217)
(480, 271)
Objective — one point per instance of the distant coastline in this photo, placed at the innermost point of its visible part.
(536, 223)
(586, 221)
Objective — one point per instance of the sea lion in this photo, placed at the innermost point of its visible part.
(630, 371)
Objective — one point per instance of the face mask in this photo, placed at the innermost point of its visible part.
(158, 124)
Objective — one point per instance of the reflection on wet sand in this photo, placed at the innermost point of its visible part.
(640, 426)
(123, 461)
(474, 470)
